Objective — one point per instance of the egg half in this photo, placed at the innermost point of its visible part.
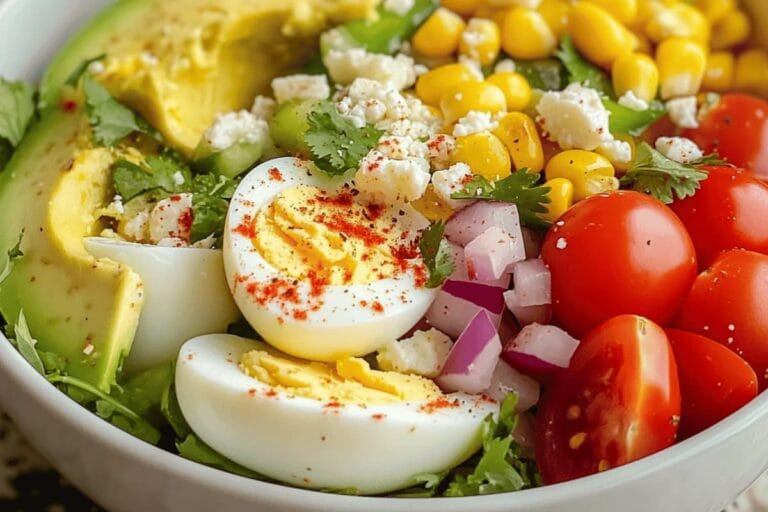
(296, 313)
(310, 443)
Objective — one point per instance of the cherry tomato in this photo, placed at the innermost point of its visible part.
(729, 211)
(714, 382)
(618, 253)
(618, 401)
(729, 304)
(737, 129)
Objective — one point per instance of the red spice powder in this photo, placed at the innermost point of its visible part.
(185, 223)
(377, 307)
(340, 224)
(343, 200)
(318, 283)
(378, 417)
(175, 199)
(374, 211)
(68, 106)
(333, 405)
(440, 404)
(300, 315)
(247, 228)
(275, 174)
(270, 393)
(252, 392)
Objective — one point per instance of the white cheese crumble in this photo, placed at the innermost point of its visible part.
(116, 205)
(264, 107)
(452, 180)
(345, 66)
(171, 218)
(301, 87)
(679, 149)
(631, 101)
(474, 37)
(617, 151)
(96, 67)
(440, 150)
(385, 180)
(399, 147)
(423, 354)
(137, 228)
(474, 122)
(505, 66)
(235, 128)
(682, 112)
(399, 7)
(178, 178)
(473, 65)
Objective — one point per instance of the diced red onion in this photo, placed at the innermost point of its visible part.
(506, 379)
(527, 315)
(473, 358)
(461, 271)
(540, 350)
(458, 302)
(493, 254)
(474, 220)
(533, 283)
(532, 241)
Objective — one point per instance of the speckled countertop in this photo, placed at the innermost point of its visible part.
(28, 484)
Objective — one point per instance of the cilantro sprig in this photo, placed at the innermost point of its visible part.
(664, 179)
(581, 71)
(624, 120)
(110, 120)
(337, 145)
(14, 253)
(436, 254)
(519, 188)
(165, 172)
(17, 109)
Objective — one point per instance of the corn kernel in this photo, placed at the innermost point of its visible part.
(519, 134)
(468, 96)
(678, 20)
(589, 172)
(516, 89)
(439, 36)
(560, 198)
(555, 14)
(718, 76)
(464, 8)
(433, 84)
(732, 30)
(623, 10)
(642, 43)
(681, 64)
(431, 207)
(485, 154)
(526, 35)
(598, 35)
(638, 73)
(752, 72)
(481, 41)
(714, 10)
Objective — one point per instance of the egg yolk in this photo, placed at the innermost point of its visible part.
(347, 381)
(304, 231)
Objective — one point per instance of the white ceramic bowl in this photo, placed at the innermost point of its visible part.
(121, 473)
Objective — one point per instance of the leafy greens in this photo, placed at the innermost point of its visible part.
(582, 71)
(436, 255)
(17, 109)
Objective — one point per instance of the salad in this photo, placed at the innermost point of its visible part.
(400, 248)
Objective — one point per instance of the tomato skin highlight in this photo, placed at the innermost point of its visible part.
(618, 401)
(730, 211)
(714, 382)
(618, 253)
(737, 129)
(729, 304)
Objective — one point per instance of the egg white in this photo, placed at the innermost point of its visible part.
(341, 327)
(302, 442)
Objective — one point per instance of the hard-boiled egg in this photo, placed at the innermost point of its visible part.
(312, 443)
(186, 295)
(301, 314)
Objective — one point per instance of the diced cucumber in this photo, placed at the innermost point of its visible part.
(230, 162)
(289, 127)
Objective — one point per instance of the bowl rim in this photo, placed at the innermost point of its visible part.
(13, 365)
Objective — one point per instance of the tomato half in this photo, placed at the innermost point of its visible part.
(729, 211)
(729, 304)
(737, 129)
(619, 253)
(618, 401)
(714, 382)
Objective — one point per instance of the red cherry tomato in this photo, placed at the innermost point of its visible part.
(737, 129)
(714, 382)
(729, 211)
(618, 253)
(617, 402)
(729, 304)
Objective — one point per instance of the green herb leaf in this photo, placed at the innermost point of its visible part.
(436, 255)
(170, 409)
(582, 71)
(143, 392)
(77, 74)
(194, 449)
(519, 188)
(627, 121)
(209, 217)
(17, 108)
(337, 144)
(111, 121)
(214, 185)
(657, 175)
(25, 343)
(545, 74)
(14, 254)
(712, 159)
(6, 152)
(165, 172)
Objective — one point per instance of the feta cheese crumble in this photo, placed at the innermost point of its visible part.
(505, 66)
(679, 149)
(235, 128)
(448, 182)
(264, 107)
(137, 228)
(629, 100)
(474, 122)
(423, 354)
(301, 87)
(345, 66)
(117, 205)
(682, 112)
(171, 218)
(386, 180)
(399, 7)
(439, 151)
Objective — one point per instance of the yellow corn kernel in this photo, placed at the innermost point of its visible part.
(678, 20)
(485, 154)
(433, 84)
(623, 10)
(638, 73)
(752, 72)
(526, 35)
(516, 89)
(600, 37)
(431, 207)
(481, 41)
(560, 198)
(589, 172)
(555, 14)
(465, 8)
(439, 36)
(519, 134)
(718, 76)
(468, 96)
(681, 64)
(714, 10)
(732, 30)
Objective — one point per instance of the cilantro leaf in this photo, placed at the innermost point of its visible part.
(214, 185)
(25, 344)
(77, 74)
(165, 172)
(194, 449)
(436, 255)
(657, 175)
(337, 145)
(209, 216)
(627, 121)
(519, 188)
(712, 159)
(17, 108)
(170, 409)
(582, 71)
(14, 254)
(544, 74)
(111, 121)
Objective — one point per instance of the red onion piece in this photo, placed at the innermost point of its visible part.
(532, 241)
(527, 315)
(461, 272)
(473, 358)
(493, 254)
(533, 283)
(540, 350)
(474, 220)
(458, 302)
(506, 379)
